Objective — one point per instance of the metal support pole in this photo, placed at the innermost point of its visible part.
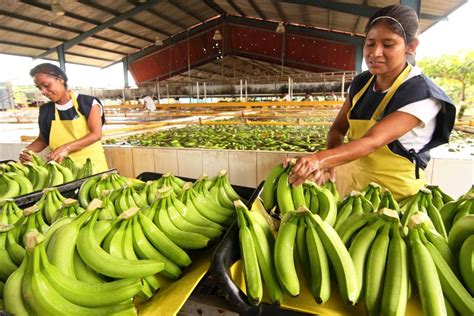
(342, 85)
(205, 92)
(241, 90)
(61, 57)
(197, 90)
(125, 72)
(246, 94)
(158, 92)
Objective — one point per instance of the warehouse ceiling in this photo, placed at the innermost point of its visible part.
(102, 33)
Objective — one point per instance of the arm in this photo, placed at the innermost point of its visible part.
(36, 146)
(386, 131)
(94, 123)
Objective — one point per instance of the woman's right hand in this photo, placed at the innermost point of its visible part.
(24, 156)
(306, 167)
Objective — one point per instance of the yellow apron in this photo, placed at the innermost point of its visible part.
(66, 131)
(384, 167)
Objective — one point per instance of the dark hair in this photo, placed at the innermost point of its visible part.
(406, 16)
(49, 69)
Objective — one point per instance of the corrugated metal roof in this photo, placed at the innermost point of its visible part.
(101, 33)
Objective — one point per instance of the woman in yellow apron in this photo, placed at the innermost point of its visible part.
(393, 115)
(70, 125)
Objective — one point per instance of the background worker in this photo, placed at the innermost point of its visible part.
(392, 116)
(70, 124)
(149, 103)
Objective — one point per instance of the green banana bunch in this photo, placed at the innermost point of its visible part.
(320, 201)
(15, 167)
(223, 192)
(174, 225)
(461, 230)
(388, 201)
(148, 192)
(206, 205)
(452, 211)
(173, 182)
(9, 188)
(10, 212)
(440, 198)
(36, 159)
(107, 211)
(69, 208)
(262, 243)
(455, 293)
(69, 163)
(353, 204)
(32, 219)
(38, 175)
(203, 183)
(373, 193)
(268, 194)
(86, 170)
(84, 195)
(42, 298)
(101, 261)
(50, 204)
(422, 202)
(25, 184)
(199, 223)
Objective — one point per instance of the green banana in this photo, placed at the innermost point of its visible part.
(12, 294)
(360, 247)
(466, 263)
(427, 279)
(248, 253)
(283, 254)
(284, 195)
(462, 229)
(84, 192)
(375, 270)
(396, 283)
(269, 187)
(320, 284)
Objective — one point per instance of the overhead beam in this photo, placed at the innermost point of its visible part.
(185, 10)
(280, 11)
(355, 9)
(236, 7)
(214, 6)
(131, 19)
(82, 18)
(309, 31)
(58, 39)
(61, 27)
(258, 10)
(168, 19)
(103, 26)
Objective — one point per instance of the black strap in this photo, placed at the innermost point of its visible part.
(414, 157)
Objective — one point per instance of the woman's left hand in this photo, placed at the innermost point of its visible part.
(59, 153)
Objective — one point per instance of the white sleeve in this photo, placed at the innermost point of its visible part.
(96, 103)
(424, 110)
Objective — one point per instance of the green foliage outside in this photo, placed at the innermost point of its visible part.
(455, 74)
